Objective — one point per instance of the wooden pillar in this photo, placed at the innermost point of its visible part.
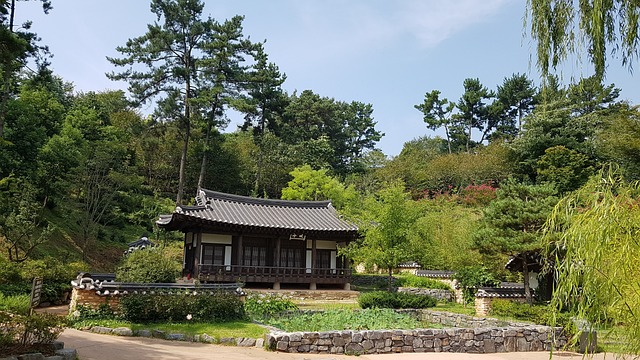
(240, 250)
(346, 265)
(314, 257)
(197, 249)
(278, 245)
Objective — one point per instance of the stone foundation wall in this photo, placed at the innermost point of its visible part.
(90, 299)
(482, 340)
(441, 295)
(302, 295)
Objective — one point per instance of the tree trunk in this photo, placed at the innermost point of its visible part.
(446, 131)
(525, 271)
(187, 133)
(203, 166)
(390, 279)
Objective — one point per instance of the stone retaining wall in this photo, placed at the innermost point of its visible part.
(480, 340)
(440, 294)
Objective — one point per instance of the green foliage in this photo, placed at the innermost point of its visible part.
(470, 278)
(15, 304)
(600, 25)
(368, 319)
(513, 223)
(537, 314)
(103, 312)
(592, 234)
(443, 237)
(395, 300)
(27, 330)
(217, 307)
(411, 280)
(261, 306)
(387, 223)
(564, 168)
(152, 265)
(309, 184)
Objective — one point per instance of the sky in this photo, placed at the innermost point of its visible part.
(388, 53)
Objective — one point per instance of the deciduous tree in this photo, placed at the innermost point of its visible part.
(564, 27)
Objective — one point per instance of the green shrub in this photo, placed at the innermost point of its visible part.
(260, 306)
(17, 288)
(377, 299)
(537, 314)
(103, 312)
(29, 329)
(15, 304)
(218, 307)
(40, 328)
(411, 280)
(470, 278)
(148, 266)
(383, 299)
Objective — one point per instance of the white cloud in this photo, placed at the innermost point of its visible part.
(432, 22)
(331, 29)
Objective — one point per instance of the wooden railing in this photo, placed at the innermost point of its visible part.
(273, 274)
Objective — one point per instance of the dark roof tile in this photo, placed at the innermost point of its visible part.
(239, 210)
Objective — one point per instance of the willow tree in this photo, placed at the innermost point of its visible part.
(594, 235)
(568, 27)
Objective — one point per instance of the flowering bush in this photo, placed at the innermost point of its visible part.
(477, 195)
(265, 305)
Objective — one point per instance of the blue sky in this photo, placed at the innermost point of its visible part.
(384, 52)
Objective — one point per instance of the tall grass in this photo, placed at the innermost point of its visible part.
(15, 304)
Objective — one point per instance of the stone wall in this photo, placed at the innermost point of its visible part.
(441, 295)
(89, 298)
(315, 295)
(479, 340)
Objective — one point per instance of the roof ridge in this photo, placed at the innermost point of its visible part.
(215, 195)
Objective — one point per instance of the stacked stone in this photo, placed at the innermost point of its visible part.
(481, 340)
(439, 294)
(91, 299)
(317, 295)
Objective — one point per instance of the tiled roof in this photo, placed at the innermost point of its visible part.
(446, 274)
(503, 293)
(409, 264)
(226, 209)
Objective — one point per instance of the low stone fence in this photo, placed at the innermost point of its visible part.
(439, 294)
(479, 340)
(306, 295)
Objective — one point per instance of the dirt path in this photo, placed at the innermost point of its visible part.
(92, 346)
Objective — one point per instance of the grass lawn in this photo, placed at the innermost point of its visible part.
(235, 329)
(454, 307)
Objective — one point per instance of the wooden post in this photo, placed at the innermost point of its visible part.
(278, 244)
(197, 249)
(240, 250)
(314, 257)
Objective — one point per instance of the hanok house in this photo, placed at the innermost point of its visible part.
(231, 238)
